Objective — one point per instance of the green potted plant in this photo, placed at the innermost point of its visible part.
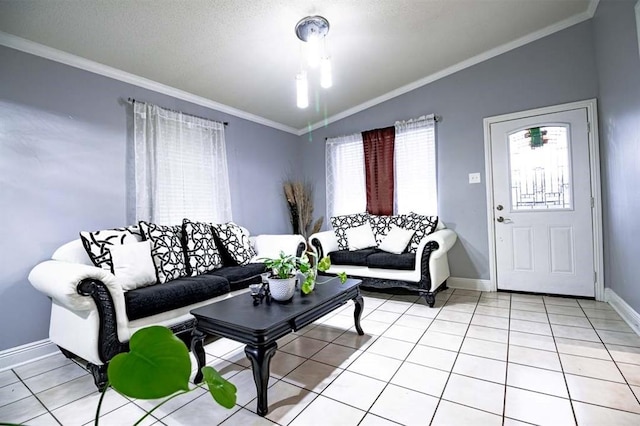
(284, 270)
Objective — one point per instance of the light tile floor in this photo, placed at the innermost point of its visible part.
(476, 358)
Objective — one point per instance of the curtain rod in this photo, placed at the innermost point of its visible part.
(133, 101)
(436, 118)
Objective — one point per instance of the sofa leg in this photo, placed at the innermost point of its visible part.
(99, 373)
(430, 298)
(444, 286)
(66, 353)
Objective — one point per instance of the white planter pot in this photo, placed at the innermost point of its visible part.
(282, 289)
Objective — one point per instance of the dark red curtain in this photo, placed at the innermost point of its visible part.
(378, 163)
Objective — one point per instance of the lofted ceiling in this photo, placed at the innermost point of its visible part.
(241, 56)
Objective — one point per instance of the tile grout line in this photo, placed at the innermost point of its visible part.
(612, 359)
(506, 370)
(564, 376)
(435, 411)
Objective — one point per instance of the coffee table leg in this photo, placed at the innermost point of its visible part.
(197, 347)
(260, 357)
(359, 302)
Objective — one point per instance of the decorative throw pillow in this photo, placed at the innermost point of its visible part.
(396, 240)
(132, 265)
(166, 250)
(235, 241)
(382, 224)
(200, 247)
(423, 225)
(340, 225)
(97, 244)
(360, 237)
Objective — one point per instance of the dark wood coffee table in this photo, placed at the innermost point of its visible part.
(260, 326)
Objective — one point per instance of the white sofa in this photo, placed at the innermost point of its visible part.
(426, 274)
(89, 307)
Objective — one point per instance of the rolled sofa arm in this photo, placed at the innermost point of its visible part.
(324, 242)
(445, 238)
(268, 245)
(59, 280)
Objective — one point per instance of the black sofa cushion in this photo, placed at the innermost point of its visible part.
(241, 276)
(155, 299)
(385, 260)
(351, 257)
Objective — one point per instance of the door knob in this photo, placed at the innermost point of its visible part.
(500, 219)
(499, 207)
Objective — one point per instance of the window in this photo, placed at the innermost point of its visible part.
(180, 167)
(416, 187)
(414, 164)
(540, 174)
(346, 193)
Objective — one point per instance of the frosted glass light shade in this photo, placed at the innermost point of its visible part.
(313, 50)
(302, 90)
(326, 80)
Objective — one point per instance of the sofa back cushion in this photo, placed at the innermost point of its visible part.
(381, 225)
(423, 225)
(235, 242)
(340, 225)
(97, 243)
(396, 240)
(200, 247)
(360, 237)
(133, 266)
(166, 250)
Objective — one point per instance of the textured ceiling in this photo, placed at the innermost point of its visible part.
(244, 53)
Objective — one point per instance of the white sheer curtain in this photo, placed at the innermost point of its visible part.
(416, 186)
(180, 167)
(346, 190)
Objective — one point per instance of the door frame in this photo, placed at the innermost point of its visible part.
(591, 106)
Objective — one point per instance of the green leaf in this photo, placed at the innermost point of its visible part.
(307, 285)
(157, 365)
(343, 277)
(324, 264)
(222, 391)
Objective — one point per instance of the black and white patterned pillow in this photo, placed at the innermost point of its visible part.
(97, 244)
(381, 225)
(340, 225)
(235, 241)
(200, 247)
(423, 225)
(166, 250)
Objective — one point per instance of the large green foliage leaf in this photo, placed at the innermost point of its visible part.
(157, 365)
(222, 391)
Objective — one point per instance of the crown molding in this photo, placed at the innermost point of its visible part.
(558, 26)
(75, 61)
(37, 49)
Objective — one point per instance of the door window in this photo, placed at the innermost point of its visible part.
(540, 175)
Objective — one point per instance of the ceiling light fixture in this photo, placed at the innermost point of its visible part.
(313, 31)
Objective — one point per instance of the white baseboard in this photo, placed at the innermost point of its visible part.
(13, 357)
(626, 312)
(469, 284)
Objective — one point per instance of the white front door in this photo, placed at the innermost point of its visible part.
(542, 204)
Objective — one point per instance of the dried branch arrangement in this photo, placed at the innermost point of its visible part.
(299, 196)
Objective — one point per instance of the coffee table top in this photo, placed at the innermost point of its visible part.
(238, 319)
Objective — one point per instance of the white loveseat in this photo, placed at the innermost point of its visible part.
(425, 273)
(90, 311)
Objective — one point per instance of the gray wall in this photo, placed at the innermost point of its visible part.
(63, 169)
(618, 64)
(556, 69)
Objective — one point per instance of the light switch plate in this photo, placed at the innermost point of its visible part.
(474, 177)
